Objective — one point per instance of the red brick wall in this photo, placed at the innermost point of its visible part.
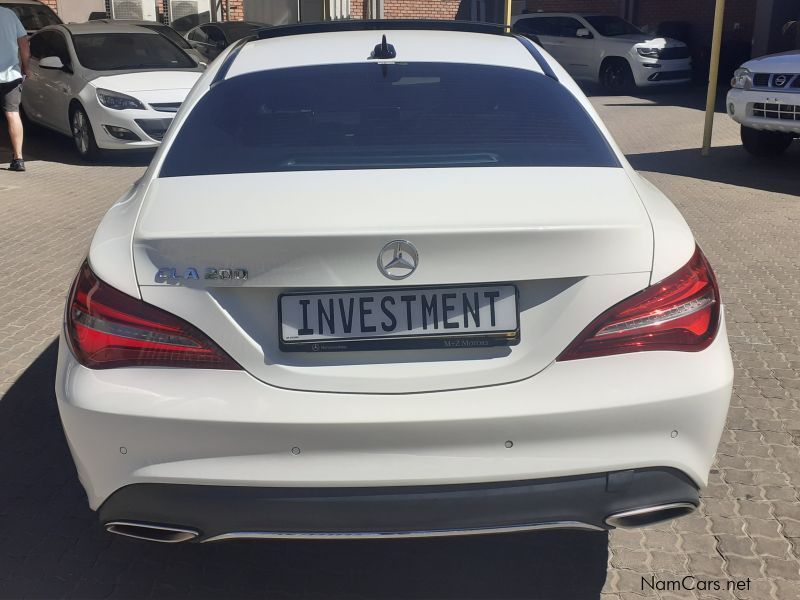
(421, 9)
(236, 8)
(358, 9)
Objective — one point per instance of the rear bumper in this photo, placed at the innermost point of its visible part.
(225, 428)
(227, 512)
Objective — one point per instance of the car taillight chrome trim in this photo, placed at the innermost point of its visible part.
(132, 333)
(671, 314)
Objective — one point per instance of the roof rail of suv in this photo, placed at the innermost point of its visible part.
(379, 24)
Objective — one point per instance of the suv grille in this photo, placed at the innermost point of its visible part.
(776, 80)
(786, 112)
(674, 53)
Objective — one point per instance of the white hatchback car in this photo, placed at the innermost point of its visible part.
(765, 100)
(108, 85)
(608, 50)
(416, 290)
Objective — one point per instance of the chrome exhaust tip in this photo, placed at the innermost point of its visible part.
(641, 517)
(152, 533)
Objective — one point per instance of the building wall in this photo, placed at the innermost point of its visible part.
(358, 9)
(739, 14)
(738, 24)
(236, 9)
(421, 9)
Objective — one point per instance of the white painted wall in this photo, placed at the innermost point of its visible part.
(77, 11)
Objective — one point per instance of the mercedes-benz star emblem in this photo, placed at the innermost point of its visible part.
(398, 259)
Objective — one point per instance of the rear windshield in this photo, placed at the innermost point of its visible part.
(129, 51)
(34, 16)
(373, 116)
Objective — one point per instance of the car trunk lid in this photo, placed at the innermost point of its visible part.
(572, 241)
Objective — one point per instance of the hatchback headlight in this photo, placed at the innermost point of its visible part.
(742, 79)
(118, 101)
(649, 52)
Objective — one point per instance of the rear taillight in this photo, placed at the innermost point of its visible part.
(107, 328)
(679, 313)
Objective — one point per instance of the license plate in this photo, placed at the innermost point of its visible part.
(392, 318)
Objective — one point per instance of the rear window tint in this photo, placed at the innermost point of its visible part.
(374, 116)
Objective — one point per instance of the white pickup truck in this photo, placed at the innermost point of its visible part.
(607, 50)
(765, 99)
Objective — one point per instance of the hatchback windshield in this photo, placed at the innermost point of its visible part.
(34, 16)
(610, 26)
(373, 116)
(129, 51)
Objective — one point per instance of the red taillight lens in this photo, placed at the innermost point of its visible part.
(108, 329)
(680, 313)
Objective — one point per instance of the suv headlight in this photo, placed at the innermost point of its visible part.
(117, 101)
(742, 79)
(649, 52)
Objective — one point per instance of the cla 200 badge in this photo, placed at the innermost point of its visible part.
(173, 276)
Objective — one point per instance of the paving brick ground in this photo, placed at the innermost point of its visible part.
(746, 215)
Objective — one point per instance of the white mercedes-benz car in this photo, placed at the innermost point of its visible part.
(765, 99)
(415, 290)
(109, 86)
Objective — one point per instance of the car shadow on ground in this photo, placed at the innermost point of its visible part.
(52, 546)
(691, 96)
(728, 164)
(44, 144)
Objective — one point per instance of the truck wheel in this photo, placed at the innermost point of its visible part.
(759, 142)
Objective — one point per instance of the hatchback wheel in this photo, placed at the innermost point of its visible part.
(83, 135)
(759, 142)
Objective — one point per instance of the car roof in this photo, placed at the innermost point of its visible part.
(103, 27)
(355, 46)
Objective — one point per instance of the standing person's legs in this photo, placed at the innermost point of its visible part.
(11, 96)
(15, 132)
